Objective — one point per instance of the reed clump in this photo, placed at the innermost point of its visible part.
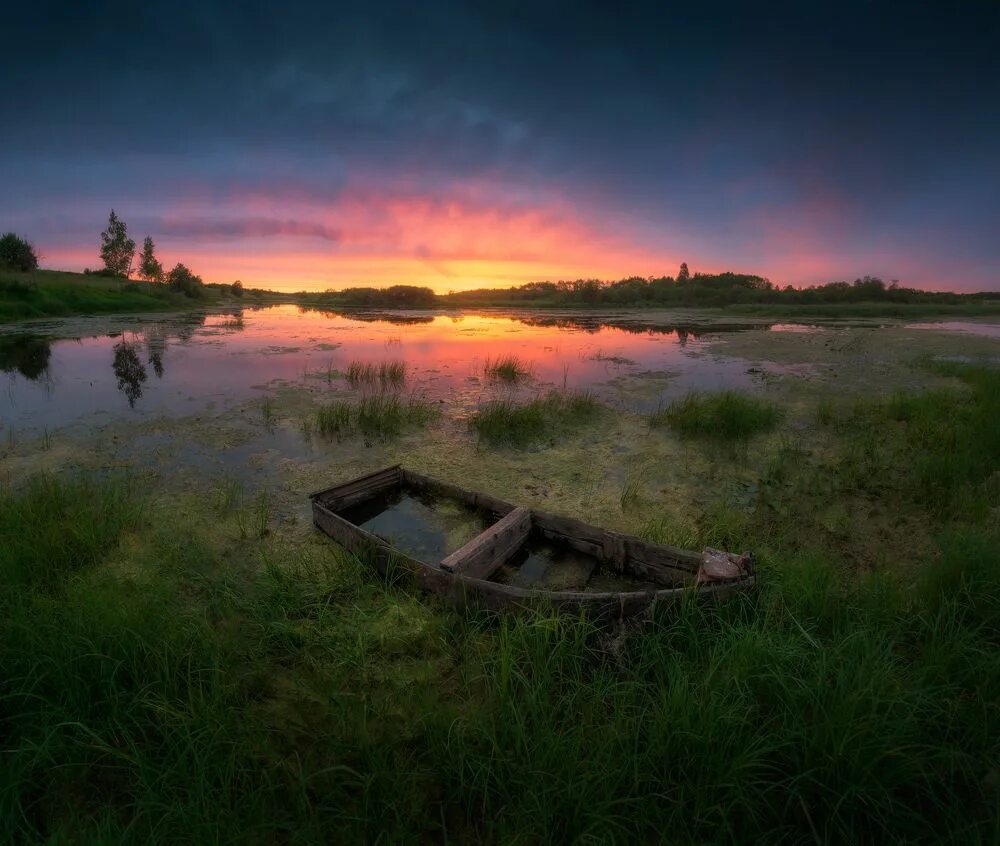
(379, 415)
(507, 368)
(507, 422)
(726, 415)
(385, 374)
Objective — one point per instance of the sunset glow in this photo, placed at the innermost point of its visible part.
(362, 158)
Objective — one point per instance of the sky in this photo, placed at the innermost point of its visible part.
(461, 145)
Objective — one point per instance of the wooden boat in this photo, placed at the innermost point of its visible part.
(627, 575)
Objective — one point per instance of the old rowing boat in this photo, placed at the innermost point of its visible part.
(469, 546)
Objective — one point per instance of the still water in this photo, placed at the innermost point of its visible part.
(144, 367)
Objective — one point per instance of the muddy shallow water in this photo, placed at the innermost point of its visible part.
(205, 401)
(121, 369)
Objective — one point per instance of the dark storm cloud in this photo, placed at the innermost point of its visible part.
(873, 126)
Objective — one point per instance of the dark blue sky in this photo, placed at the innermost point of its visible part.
(315, 145)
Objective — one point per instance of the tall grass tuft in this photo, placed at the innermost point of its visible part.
(727, 415)
(386, 374)
(268, 413)
(507, 368)
(380, 415)
(506, 422)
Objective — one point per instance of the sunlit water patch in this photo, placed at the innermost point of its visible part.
(143, 367)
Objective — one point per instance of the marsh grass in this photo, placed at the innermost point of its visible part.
(727, 415)
(507, 368)
(227, 495)
(507, 422)
(268, 413)
(253, 522)
(151, 691)
(631, 492)
(386, 374)
(379, 415)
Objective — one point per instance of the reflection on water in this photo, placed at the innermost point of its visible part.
(130, 371)
(25, 354)
(214, 361)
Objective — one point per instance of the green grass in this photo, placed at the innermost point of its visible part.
(386, 374)
(382, 415)
(50, 293)
(727, 415)
(506, 422)
(170, 673)
(507, 368)
(268, 413)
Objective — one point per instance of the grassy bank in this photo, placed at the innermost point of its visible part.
(50, 293)
(167, 675)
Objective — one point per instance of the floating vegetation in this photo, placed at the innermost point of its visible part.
(234, 322)
(505, 422)
(381, 416)
(385, 374)
(507, 368)
(728, 415)
(610, 359)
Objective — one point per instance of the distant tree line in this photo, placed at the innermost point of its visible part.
(395, 296)
(684, 289)
(699, 289)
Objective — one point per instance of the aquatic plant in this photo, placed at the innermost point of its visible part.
(826, 412)
(268, 413)
(507, 368)
(386, 374)
(504, 421)
(253, 522)
(380, 415)
(333, 418)
(227, 495)
(727, 415)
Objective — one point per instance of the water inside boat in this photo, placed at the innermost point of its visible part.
(550, 565)
(425, 527)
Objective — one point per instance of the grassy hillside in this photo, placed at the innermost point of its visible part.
(45, 293)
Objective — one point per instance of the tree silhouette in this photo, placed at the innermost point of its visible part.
(684, 275)
(150, 268)
(17, 253)
(117, 249)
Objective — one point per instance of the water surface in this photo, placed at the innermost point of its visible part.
(90, 371)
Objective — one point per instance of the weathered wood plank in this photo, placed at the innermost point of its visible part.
(465, 578)
(615, 553)
(482, 555)
(370, 482)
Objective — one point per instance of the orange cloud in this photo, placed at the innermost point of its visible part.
(364, 237)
